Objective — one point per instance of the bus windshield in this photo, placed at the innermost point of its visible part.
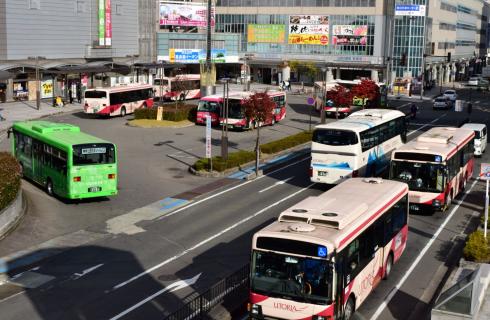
(334, 137)
(98, 153)
(94, 94)
(298, 278)
(419, 176)
(235, 109)
(209, 106)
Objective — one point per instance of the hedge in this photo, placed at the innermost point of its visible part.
(170, 112)
(477, 248)
(236, 159)
(9, 179)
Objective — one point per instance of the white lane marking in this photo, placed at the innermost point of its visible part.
(403, 105)
(170, 288)
(122, 284)
(231, 189)
(419, 257)
(427, 124)
(276, 184)
(77, 276)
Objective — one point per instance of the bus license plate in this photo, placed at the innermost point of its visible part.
(94, 189)
(322, 173)
(414, 207)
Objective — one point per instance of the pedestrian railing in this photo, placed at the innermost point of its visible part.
(236, 285)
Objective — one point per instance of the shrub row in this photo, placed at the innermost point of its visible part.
(219, 164)
(9, 179)
(477, 248)
(286, 143)
(170, 112)
(236, 159)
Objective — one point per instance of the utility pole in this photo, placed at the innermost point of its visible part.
(38, 82)
(224, 113)
(324, 97)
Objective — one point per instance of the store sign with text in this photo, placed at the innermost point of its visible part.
(196, 55)
(184, 14)
(308, 29)
(414, 10)
(349, 35)
(105, 23)
(266, 33)
(46, 89)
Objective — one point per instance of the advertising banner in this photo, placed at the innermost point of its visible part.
(349, 35)
(308, 29)
(266, 33)
(185, 14)
(108, 23)
(410, 10)
(46, 89)
(101, 22)
(196, 55)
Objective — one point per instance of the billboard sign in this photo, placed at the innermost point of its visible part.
(308, 29)
(349, 35)
(414, 10)
(184, 14)
(108, 23)
(196, 55)
(266, 33)
(46, 89)
(101, 22)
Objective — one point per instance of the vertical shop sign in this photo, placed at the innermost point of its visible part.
(101, 22)
(108, 23)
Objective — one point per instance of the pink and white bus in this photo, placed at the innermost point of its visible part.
(325, 255)
(236, 116)
(210, 106)
(436, 166)
(181, 87)
(120, 100)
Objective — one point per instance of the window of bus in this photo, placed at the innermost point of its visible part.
(209, 106)
(23, 143)
(95, 94)
(160, 82)
(334, 137)
(420, 176)
(235, 109)
(54, 158)
(89, 154)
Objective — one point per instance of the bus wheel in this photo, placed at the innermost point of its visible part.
(123, 111)
(349, 309)
(389, 265)
(273, 122)
(49, 187)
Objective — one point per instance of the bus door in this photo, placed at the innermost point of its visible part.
(341, 285)
(37, 161)
(23, 150)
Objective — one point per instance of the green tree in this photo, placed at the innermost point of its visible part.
(303, 67)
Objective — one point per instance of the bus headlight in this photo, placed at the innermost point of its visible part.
(321, 317)
(436, 203)
(255, 310)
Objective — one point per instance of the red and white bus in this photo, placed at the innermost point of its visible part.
(236, 116)
(209, 106)
(436, 166)
(325, 255)
(120, 100)
(181, 87)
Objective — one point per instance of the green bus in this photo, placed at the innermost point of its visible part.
(67, 162)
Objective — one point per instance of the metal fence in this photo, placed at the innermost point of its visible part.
(234, 286)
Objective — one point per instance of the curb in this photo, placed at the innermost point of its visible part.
(269, 162)
(11, 216)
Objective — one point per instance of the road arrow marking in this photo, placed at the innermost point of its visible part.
(276, 184)
(77, 276)
(170, 288)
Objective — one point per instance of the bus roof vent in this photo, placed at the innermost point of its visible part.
(436, 137)
(344, 216)
(302, 227)
(289, 218)
(49, 127)
(421, 148)
(373, 180)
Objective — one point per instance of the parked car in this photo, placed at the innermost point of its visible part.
(451, 95)
(474, 81)
(442, 102)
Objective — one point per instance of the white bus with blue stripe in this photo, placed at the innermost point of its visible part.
(357, 146)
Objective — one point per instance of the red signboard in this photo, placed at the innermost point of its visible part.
(108, 23)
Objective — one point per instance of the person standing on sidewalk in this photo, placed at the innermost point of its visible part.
(1, 117)
(70, 95)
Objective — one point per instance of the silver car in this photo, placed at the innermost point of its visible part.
(441, 103)
(451, 95)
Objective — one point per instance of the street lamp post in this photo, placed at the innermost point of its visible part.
(224, 113)
(38, 82)
(324, 98)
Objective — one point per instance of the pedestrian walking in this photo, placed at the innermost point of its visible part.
(79, 93)
(1, 117)
(288, 85)
(70, 94)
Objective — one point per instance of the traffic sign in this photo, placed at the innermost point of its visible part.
(310, 101)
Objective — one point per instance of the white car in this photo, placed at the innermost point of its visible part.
(441, 103)
(474, 81)
(451, 95)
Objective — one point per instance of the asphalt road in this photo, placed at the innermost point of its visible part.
(132, 275)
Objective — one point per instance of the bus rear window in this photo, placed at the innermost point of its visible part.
(160, 82)
(94, 153)
(333, 137)
(94, 94)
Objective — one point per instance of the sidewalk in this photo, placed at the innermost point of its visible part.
(26, 110)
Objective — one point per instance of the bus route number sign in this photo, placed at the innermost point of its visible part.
(93, 150)
(485, 171)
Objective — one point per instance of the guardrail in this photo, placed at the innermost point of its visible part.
(235, 285)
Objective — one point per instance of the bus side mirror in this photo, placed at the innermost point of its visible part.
(9, 132)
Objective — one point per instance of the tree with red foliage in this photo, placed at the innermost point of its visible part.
(341, 98)
(259, 109)
(366, 90)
